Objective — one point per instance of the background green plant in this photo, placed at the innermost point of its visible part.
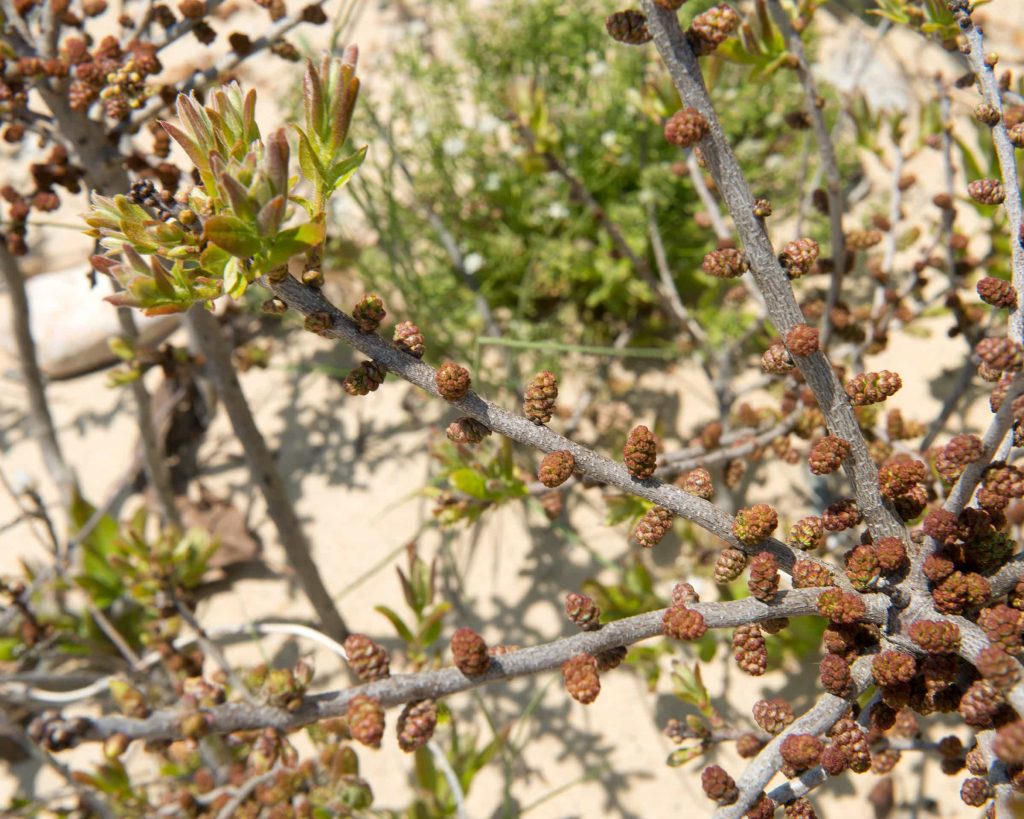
(545, 267)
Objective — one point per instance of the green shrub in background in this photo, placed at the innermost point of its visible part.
(478, 121)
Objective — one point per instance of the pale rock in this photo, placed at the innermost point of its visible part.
(71, 323)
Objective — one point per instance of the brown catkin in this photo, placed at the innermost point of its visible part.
(469, 651)
(686, 128)
(581, 678)
(556, 468)
(368, 659)
(753, 524)
(539, 400)
(416, 724)
(641, 453)
(629, 27)
(653, 526)
(452, 381)
(802, 340)
(749, 649)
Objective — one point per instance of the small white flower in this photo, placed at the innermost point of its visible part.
(599, 69)
(488, 124)
(608, 139)
(492, 182)
(472, 263)
(453, 146)
(558, 210)
(22, 482)
(419, 128)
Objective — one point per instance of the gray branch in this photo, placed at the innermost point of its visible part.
(404, 688)
(104, 172)
(309, 301)
(827, 151)
(825, 713)
(264, 470)
(43, 428)
(780, 301)
(989, 89)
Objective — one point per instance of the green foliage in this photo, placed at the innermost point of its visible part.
(472, 480)
(169, 255)
(329, 97)
(466, 755)
(688, 686)
(419, 587)
(483, 127)
(931, 17)
(125, 560)
(632, 594)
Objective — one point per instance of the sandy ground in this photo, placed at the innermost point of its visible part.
(355, 466)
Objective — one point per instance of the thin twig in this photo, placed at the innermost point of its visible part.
(20, 689)
(581, 193)
(157, 472)
(957, 393)
(827, 152)
(450, 777)
(184, 26)
(264, 470)
(201, 78)
(451, 247)
(668, 283)
(744, 442)
(105, 173)
(718, 224)
(825, 713)
(43, 427)
(246, 790)
(110, 630)
(994, 435)
(208, 645)
(1005, 151)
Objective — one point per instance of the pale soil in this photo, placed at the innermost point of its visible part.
(355, 466)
